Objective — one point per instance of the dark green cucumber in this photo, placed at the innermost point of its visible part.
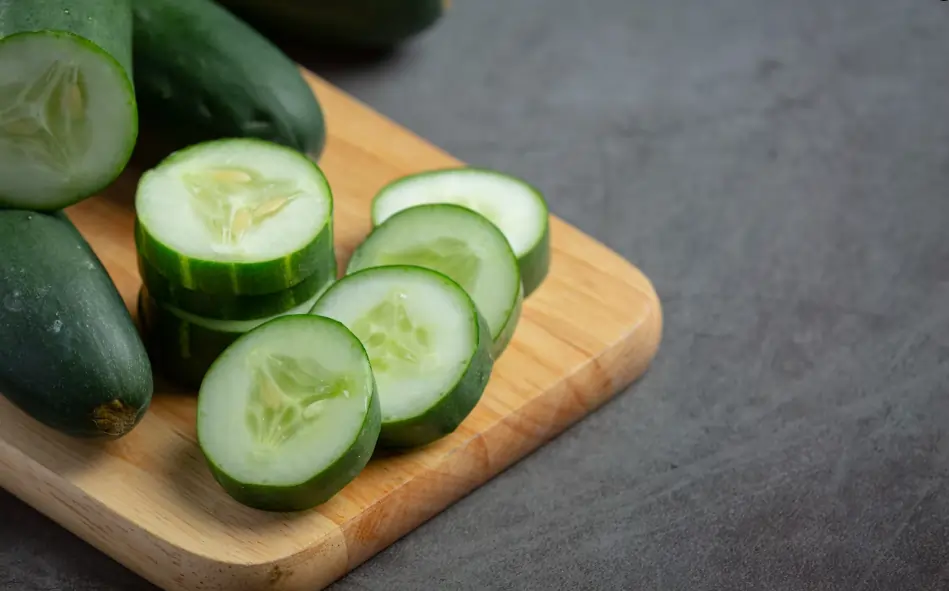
(429, 347)
(201, 73)
(367, 24)
(68, 114)
(236, 216)
(70, 354)
(183, 346)
(231, 307)
(289, 414)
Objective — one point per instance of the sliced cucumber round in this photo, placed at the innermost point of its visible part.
(429, 347)
(236, 216)
(184, 345)
(513, 205)
(68, 117)
(289, 414)
(463, 245)
(232, 307)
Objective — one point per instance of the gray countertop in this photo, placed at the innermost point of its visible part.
(780, 169)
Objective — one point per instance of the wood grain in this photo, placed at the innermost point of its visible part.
(149, 501)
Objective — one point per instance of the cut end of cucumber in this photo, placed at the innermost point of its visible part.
(418, 327)
(240, 200)
(283, 406)
(68, 120)
(456, 242)
(115, 418)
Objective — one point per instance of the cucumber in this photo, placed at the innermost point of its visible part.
(231, 307)
(236, 216)
(70, 354)
(513, 205)
(184, 345)
(463, 245)
(68, 114)
(429, 347)
(201, 74)
(289, 414)
(364, 24)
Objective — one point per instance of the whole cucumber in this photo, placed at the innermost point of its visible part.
(70, 354)
(202, 73)
(360, 24)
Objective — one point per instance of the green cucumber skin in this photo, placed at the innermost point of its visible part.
(366, 24)
(202, 73)
(165, 337)
(214, 277)
(505, 335)
(105, 26)
(535, 264)
(445, 416)
(510, 327)
(71, 356)
(324, 485)
(227, 307)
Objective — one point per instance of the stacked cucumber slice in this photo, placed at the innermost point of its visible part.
(230, 234)
(302, 376)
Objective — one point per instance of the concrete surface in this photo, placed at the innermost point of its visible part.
(780, 168)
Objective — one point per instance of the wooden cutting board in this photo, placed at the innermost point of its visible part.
(148, 500)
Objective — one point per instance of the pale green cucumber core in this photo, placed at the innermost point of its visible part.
(237, 200)
(67, 119)
(45, 118)
(447, 255)
(282, 404)
(396, 345)
(417, 327)
(286, 394)
(231, 201)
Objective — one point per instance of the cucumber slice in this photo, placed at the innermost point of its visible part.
(184, 345)
(68, 115)
(429, 347)
(516, 207)
(289, 414)
(232, 307)
(463, 245)
(237, 216)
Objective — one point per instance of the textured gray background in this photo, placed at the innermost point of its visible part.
(780, 169)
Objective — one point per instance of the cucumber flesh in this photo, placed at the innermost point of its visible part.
(185, 345)
(429, 347)
(459, 243)
(231, 307)
(289, 414)
(514, 206)
(68, 119)
(236, 216)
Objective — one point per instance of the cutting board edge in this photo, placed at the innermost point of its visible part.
(93, 521)
(624, 360)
